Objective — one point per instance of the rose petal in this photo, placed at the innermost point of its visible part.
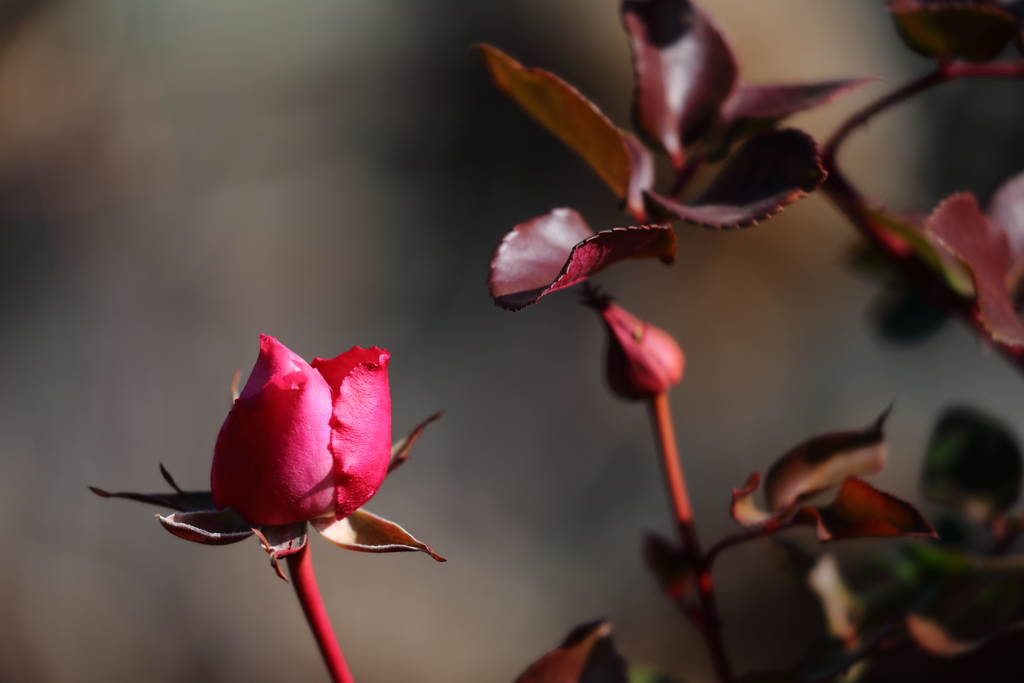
(271, 462)
(768, 172)
(684, 71)
(360, 425)
(366, 532)
(558, 250)
(211, 527)
(825, 461)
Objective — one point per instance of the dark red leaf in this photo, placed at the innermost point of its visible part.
(367, 533)
(401, 448)
(860, 510)
(953, 30)
(585, 656)
(211, 527)
(768, 172)
(558, 249)
(961, 229)
(281, 541)
(1007, 209)
(641, 175)
(572, 118)
(823, 462)
(778, 101)
(182, 501)
(684, 71)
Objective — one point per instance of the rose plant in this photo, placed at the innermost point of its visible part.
(303, 443)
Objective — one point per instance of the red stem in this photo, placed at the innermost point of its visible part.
(710, 622)
(300, 566)
(851, 203)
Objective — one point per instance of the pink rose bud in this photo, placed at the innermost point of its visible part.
(305, 442)
(643, 360)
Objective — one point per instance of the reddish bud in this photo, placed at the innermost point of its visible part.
(304, 442)
(642, 360)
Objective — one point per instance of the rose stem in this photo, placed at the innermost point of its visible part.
(300, 566)
(710, 625)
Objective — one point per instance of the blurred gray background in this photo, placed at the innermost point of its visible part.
(178, 176)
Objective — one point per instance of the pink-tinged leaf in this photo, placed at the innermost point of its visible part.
(558, 249)
(743, 509)
(684, 71)
(401, 448)
(778, 101)
(567, 114)
(641, 175)
(860, 511)
(367, 533)
(211, 527)
(1007, 210)
(281, 541)
(587, 655)
(181, 501)
(953, 30)
(959, 227)
(768, 172)
(825, 461)
(669, 564)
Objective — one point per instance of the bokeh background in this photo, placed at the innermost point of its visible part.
(178, 176)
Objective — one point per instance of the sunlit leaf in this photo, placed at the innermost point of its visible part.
(860, 510)
(843, 610)
(571, 117)
(825, 461)
(669, 563)
(684, 71)
(282, 540)
(366, 532)
(774, 102)
(211, 527)
(973, 463)
(765, 174)
(401, 448)
(958, 226)
(558, 250)
(953, 30)
(931, 637)
(587, 655)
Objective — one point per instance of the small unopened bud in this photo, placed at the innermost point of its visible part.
(642, 360)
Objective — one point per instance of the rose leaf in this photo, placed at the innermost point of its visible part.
(669, 565)
(765, 174)
(684, 71)
(558, 249)
(973, 463)
(181, 501)
(860, 510)
(825, 461)
(775, 102)
(587, 655)
(953, 30)
(401, 448)
(743, 509)
(960, 228)
(282, 540)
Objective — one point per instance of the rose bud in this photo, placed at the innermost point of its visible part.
(642, 360)
(304, 442)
